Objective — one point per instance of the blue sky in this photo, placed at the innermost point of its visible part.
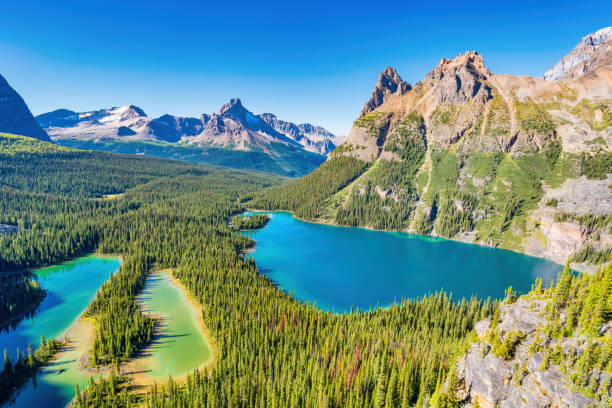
(311, 61)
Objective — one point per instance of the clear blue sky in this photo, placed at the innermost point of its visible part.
(306, 61)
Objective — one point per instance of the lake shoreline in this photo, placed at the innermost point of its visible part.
(378, 268)
(584, 268)
(134, 368)
(70, 286)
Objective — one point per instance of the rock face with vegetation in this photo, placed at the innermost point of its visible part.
(507, 161)
(549, 348)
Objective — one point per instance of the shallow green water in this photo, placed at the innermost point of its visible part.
(181, 346)
(70, 287)
(338, 268)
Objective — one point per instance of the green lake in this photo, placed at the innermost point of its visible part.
(337, 268)
(180, 347)
(70, 287)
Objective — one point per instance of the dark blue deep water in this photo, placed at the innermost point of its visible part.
(339, 267)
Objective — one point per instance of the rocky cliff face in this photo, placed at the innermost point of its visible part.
(488, 378)
(233, 127)
(575, 63)
(15, 117)
(389, 83)
(499, 160)
(549, 348)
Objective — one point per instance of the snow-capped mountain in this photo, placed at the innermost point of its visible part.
(233, 127)
(568, 66)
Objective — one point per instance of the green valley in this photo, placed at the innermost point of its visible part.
(453, 251)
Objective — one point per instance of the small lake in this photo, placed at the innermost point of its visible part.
(180, 346)
(70, 287)
(340, 267)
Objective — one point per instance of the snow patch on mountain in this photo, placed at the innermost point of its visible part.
(581, 52)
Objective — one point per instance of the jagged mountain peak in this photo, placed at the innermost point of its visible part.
(460, 79)
(582, 52)
(233, 107)
(112, 115)
(129, 112)
(234, 126)
(311, 137)
(389, 83)
(598, 37)
(470, 60)
(268, 115)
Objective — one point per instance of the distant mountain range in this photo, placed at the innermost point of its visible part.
(233, 127)
(234, 137)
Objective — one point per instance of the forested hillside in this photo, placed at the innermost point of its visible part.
(497, 160)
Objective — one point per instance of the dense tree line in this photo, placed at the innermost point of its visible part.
(307, 196)
(67, 172)
(121, 327)
(254, 221)
(20, 294)
(16, 373)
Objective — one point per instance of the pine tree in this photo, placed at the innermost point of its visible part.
(7, 364)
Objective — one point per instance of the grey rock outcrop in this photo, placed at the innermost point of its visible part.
(492, 381)
(8, 229)
(582, 52)
(15, 116)
(389, 83)
(460, 79)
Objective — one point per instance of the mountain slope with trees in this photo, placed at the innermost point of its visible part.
(498, 160)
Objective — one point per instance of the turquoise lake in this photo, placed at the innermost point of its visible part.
(70, 287)
(337, 268)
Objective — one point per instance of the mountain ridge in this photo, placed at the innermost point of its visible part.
(500, 160)
(233, 126)
(568, 65)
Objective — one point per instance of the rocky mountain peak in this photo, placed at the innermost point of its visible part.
(597, 38)
(131, 112)
(582, 52)
(312, 138)
(234, 107)
(15, 116)
(470, 60)
(389, 83)
(267, 116)
(460, 79)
